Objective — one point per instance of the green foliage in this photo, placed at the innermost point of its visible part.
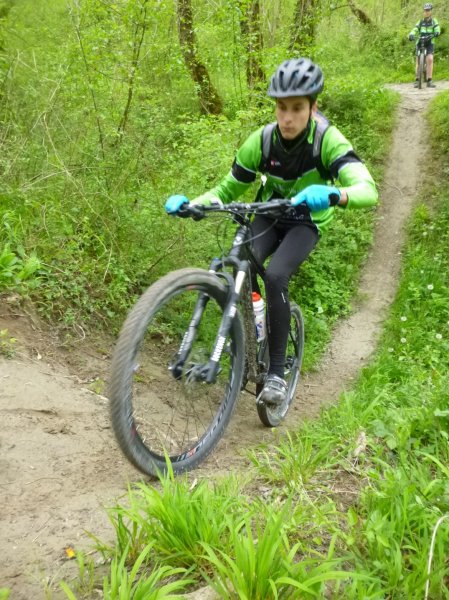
(177, 519)
(439, 118)
(16, 269)
(263, 564)
(293, 460)
(136, 583)
(7, 344)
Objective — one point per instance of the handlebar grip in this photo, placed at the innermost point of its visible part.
(196, 212)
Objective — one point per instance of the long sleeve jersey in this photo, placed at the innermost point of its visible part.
(289, 170)
(426, 27)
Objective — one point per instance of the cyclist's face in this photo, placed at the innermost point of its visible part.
(427, 14)
(292, 115)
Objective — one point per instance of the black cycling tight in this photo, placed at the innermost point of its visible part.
(288, 244)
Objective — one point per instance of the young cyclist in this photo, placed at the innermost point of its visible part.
(429, 28)
(293, 171)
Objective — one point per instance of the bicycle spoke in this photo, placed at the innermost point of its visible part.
(173, 412)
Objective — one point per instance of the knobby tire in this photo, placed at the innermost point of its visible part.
(155, 414)
(421, 69)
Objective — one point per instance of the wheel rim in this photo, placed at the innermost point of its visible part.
(176, 415)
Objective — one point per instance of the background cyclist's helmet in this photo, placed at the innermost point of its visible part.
(296, 77)
(428, 6)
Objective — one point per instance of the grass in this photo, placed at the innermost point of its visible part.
(7, 344)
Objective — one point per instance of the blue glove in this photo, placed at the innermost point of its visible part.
(316, 196)
(174, 203)
(411, 37)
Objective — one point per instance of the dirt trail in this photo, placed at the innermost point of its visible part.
(59, 464)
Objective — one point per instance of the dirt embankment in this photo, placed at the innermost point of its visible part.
(59, 463)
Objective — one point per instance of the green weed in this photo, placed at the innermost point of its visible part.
(177, 519)
(7, 344)
(137, 583)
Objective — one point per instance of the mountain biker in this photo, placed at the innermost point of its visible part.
(428, 27)
(291, 172)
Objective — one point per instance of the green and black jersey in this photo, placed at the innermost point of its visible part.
(426, 27)
(291, 169)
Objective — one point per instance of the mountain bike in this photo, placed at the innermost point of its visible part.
(187, 349)
(421, 50)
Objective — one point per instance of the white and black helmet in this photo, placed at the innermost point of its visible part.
(296, 77)
(428, 6)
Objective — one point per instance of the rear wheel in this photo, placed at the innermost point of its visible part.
(161, 407)
(271, 416)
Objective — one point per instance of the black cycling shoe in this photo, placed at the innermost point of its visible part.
(416, 84)
(430, 83)
(274, 391)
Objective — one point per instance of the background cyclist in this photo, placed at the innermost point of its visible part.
(427, 26)
(291, 172)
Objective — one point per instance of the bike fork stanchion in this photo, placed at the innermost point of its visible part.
(213, 366)
(177, 364)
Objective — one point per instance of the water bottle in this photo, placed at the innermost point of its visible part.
(259, 316)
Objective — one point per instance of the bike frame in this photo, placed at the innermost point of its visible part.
(242, 260)
(421, 56)
(244, 263)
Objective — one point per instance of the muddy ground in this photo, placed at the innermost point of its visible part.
(59, 463)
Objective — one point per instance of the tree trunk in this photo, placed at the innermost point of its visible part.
(360, 14)
(252, 38)
(209, 99)
(304, 25)
(138, 37)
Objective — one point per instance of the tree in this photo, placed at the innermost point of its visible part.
(304, 25)
(209, 99)
(253, 41)
(360, 14)
(137, 41)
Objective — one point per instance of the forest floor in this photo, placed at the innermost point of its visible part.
(59, 463)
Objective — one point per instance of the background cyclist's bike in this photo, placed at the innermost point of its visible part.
(186, 350)
(421, 50)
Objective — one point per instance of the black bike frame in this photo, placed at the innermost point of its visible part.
(242, 260)
(422, 50)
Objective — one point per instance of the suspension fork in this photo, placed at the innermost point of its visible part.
(176, 365)
(209, 371)
(212, 368)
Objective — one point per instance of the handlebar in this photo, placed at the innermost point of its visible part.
(277, 205)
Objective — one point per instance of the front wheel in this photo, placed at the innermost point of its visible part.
(421, 69)
(271, 416)
(161, 407)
